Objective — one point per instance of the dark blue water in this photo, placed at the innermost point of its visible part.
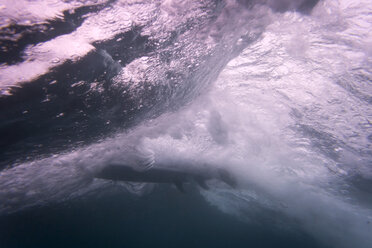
(163, 218)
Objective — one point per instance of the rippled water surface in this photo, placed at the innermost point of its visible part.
(276, 93)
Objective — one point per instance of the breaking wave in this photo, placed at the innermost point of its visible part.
(276, 92)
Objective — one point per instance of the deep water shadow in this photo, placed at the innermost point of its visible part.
(163, 218)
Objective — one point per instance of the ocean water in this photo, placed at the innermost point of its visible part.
(277, 94)
(164, 218)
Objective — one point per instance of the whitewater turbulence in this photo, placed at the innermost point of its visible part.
(277, 93)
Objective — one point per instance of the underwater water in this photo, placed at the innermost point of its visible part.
(277, 94)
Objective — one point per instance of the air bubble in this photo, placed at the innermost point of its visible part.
(55, 60)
